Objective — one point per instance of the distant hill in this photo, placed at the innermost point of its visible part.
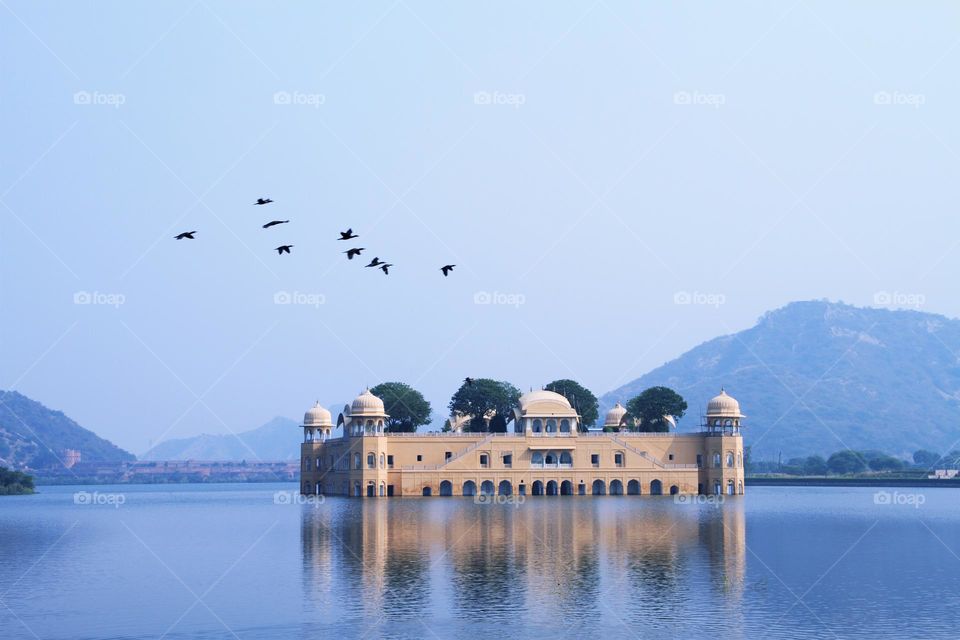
(33, 436)
(274, 441)
(816, 377)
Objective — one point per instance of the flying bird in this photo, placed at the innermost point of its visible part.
(385, 267)
(376, 262)
(347, 235)
(284, 248)
(274, 223)
(263, 201)
(447, 269)
(186, 234)
(353, 252)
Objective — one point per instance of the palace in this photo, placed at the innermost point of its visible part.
(543, 452)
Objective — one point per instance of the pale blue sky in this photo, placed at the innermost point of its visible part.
(758, 153)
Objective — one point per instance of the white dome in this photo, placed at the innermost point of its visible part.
(615, 416)
(723, 406)
(317, 416)
(367, 404)
(545, 403)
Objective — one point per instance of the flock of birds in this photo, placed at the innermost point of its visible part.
(344, 235)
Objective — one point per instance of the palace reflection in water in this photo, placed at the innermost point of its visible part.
(561, 565)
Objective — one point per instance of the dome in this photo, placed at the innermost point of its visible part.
(317, 416)
(545, 402)
(367, 404)
(615, 416)
(723, 406)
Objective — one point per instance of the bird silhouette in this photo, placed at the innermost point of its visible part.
(447, 269)
(353, 252)
(347, 235)
(385, 267)
(376, 262)
(284, 248)
(468, 382)
(274, 223)
(186, 234)
(263, 201)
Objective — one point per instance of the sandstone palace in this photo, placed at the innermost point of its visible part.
(543, 452)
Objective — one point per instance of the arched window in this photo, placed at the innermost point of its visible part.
(537, 425)
(319, 489)
(551, 458)
(469, 488)
(356, 461)
(729, 459)
(383, 461)
(371, 461)
(446, 488)
(739, 459)
(537, 458)
(564, 426)
(656, 488)
(566, 458)
(716, 459)
(383, 489)
(740, 488)
(551, 425)
(306, 464)
(319, 462)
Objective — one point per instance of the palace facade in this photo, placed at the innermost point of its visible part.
(543, 452)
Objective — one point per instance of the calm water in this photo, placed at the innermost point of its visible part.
(229, 561)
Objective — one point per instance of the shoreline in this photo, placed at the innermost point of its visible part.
(851, 482)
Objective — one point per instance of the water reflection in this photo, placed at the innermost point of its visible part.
(560, 564)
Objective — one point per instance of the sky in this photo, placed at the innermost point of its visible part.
(616, 183)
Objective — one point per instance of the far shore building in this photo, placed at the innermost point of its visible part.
(543, 452)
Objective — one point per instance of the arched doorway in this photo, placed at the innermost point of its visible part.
(469, 488)
(505, 488)
(446, 488)
(730, 487)
(616, 488)
(656, 488)
(552, 488)
(486, 488)
(633, 488)
(599, 488)
(674, 489)
(566, 488)
(537, 488)
(427, 491)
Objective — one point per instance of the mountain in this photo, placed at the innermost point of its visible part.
(815, 377)
(33, 436)
(274, 441)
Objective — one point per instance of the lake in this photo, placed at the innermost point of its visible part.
(253, 561)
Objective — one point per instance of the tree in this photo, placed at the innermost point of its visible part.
(926, 459)
(406, 406)
(847, 461)
(581, 399)
(815, 466)
(652, 405)
(885, 463)
(480, 398)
